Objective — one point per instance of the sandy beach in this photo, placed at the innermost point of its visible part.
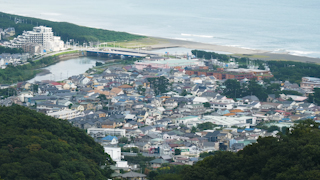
(165, 43)
(160, 43)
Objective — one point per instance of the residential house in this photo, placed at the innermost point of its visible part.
(156, 163)
(108, 124)
(110, 140)
(143, 146)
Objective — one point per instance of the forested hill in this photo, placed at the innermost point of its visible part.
(65, 30)
(34, 146)
(292, 156)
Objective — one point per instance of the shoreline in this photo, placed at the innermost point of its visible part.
(235, 51)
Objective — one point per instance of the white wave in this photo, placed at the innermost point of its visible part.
(186, 34)
(247, 48)
(184, 39)
(195, 35)
(280, 51)
(302, 53)
(233, 45)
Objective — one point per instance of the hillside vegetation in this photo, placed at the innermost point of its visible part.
(65, 30)
(35, 146)
(295, 155)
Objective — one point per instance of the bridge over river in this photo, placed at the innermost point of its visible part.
(120, 52)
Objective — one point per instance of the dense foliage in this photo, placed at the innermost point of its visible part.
(293, 71)
(235, 90)
(210, 55)
(295, 155)
(206, 126)
(35, 146)
(10, 50)
(4, 93)
(139, 159)
(65, 30)
(159, 84)
(167, 172)
(315, 98)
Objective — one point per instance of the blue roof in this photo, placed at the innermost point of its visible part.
(249, 129)
(240, 130)
(109, 138)
(194, 159)
(286, 119)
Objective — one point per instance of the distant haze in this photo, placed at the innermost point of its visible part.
(282, 26)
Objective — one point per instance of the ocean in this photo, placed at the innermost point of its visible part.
(285, 26)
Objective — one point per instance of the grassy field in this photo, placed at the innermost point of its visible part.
(68, 52)
(133, 44)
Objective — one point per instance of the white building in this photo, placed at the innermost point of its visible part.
(226, 121)
(104, 131)
(65, 114)
(40, 35)
(115, 154)
(186, 120)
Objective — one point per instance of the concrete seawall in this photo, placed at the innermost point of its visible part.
(70, 56)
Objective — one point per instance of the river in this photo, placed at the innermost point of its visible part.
(64, 69)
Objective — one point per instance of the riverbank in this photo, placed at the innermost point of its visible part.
(28, 71)
(60, 56)
(66, 68)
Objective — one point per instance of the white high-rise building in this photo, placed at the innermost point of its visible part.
(40, 35)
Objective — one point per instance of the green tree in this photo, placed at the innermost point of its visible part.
(273, 128)
(194, 129)
(206, 126)
(256, 89)
(233, 88)
(159, 84)
(273, 88)
(206, 104)
(315, 97)
(141, 90)
(152, 175)
(184, 93)
(261, 66)
(35, 146)
(99, 63)
(102, 97)
(177, 152)
(123, 140)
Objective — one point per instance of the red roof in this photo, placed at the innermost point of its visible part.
(55, 83)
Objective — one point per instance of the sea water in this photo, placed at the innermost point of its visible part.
(286, 26)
